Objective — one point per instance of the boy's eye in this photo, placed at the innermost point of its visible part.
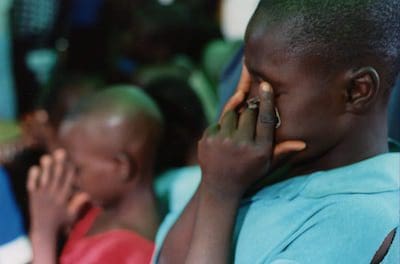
(257, 79)
(78, 170)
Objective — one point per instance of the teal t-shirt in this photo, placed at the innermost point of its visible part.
(336, 216)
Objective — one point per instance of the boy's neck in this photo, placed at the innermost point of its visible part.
(362, 144)
(136, 212)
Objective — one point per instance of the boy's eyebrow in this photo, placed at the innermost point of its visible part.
(253, 71)
(257, 73)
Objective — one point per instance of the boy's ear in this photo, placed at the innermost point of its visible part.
(363, 88)
(126, 167)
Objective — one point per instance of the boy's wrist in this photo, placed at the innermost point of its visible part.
(43, 233)
(220, 194)
(44, 246)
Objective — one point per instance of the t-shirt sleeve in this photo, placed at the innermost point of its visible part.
(349, 233)
(14, 246)
(11, 221)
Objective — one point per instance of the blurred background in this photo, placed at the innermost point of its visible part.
(114, 41)
(186, 54)
(51, 45)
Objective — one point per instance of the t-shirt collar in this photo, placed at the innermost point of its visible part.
(377, 174)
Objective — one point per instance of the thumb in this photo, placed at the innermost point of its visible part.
(76, 203)
(242, 89)
(283, 151)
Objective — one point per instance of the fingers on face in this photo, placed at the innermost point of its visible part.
(246, 126)
(228, 124)
(33, 178)
(212, 130)
(59, 164)
(53, 173)
(259, 126)
(233, 103)
(266, 117)
(242, 90)
(67, 184)
(46, 163)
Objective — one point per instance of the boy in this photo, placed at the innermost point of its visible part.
(111, 139)
(327, 66)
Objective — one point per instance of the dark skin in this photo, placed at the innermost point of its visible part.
(130, 192)
(53, 203)
(339, 117)
(114, 173)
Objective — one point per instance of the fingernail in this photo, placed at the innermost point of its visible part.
(45, 160)
(301, 146)
(59, 154)
(266, 87)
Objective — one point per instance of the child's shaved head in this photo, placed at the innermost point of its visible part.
(347, 32)
(127, 110)
(123, 99)
(112, 139)
(126, 105)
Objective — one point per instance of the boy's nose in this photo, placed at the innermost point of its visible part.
(76, 185)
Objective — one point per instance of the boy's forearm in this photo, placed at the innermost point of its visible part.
(177, 242)
(202, 234)
(212, 235)
(44, 246)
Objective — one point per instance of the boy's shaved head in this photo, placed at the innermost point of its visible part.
(352, 33)
(125, 109)
(122, 99)
(122, 119)
(112, 138)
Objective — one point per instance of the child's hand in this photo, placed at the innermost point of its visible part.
(53, 204)
(242, 90)
(238, 152)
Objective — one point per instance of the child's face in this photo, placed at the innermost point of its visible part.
(310, 104)
(91, 152)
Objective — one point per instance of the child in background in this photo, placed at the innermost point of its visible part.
(111, 140)
(37, 131)
(327, 67)
(185, 122)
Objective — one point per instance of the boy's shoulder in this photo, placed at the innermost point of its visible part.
(379, 174)
(117, 245)
(306, 216)
(336, 229)
(368, 191)
(375, 177)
